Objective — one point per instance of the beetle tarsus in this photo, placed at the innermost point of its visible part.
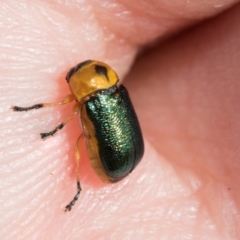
(70, 205)
(49, 134)
(21, 109)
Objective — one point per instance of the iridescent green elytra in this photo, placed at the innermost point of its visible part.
(116, 131)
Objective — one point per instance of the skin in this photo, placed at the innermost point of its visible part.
(185, 88)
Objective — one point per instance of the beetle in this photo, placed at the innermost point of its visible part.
(109, 123)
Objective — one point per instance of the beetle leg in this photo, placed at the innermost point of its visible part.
(77, 158)
(66, 100)
(83, 127)
(76, 110)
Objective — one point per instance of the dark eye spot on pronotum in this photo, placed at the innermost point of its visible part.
(101, 70)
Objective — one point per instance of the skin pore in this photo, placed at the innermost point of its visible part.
(185, 88)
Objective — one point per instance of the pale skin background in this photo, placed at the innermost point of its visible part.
(185, 91)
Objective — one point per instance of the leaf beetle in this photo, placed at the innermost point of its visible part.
(109, 123)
